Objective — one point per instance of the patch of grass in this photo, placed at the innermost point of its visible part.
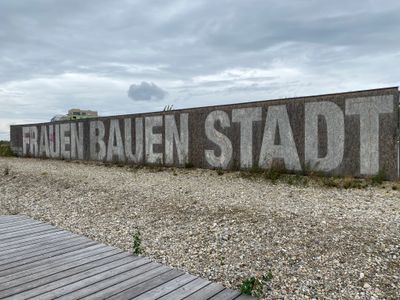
(254, 286)
(378, 178)
(328, 181)
(5, 149)
(220, 172)
(189, 165)
(273, 174)
(137, 248)
(296, 180)
(354, 183)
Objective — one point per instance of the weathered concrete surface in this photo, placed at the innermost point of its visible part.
(343, 134)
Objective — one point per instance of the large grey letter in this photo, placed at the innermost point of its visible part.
(33, 141)
(97, 138)
(77, 141)
(25, 139)
(65, 140)
(138, 156)
(181, 141)
(369, 108)
(54, 139)
(334, 118)
(219, 139)
(246, 117)
(277, 117)
(153, 138)
(115, 144)
(44, 142)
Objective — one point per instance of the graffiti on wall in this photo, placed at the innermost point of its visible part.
(339, 135)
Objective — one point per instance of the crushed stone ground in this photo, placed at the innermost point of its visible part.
(319, 243)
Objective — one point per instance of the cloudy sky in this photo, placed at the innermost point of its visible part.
(121, 57)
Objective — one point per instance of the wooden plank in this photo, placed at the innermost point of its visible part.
(47, 255)
(226, 294)
(43, 285)
(31, 248)
(110, 282)
(24, 233)
(14, 221)
(94, 259)
(206, 292)
(244, 297)
(48, 260)
(167, 287)
(10, 218)
(4, 229)
(5, 261)
(186, 290)
(33, 236)
(112, 290)
(67, 261)
(101, 277)
(147, 285)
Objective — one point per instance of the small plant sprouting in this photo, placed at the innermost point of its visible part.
(220, 172)
(137, 243)
(255, 286)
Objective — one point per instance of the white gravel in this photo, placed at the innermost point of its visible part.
(319, 243)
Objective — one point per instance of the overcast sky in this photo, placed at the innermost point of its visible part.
(120, 57)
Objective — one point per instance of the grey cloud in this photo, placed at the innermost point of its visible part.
(146, 92)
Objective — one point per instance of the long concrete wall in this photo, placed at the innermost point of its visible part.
(343, 134)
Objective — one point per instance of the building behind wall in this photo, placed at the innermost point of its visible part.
(76, 114)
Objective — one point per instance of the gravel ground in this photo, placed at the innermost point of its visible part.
(321, 243)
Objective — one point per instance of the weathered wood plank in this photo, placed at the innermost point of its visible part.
(47, 255)
(100, 277)
(9, 244)
(166, 287)
(186, 290)
(10, 218)
(206, 292)
(37, 248)
(57, 269)
(147, 285)
(45, 284)
(110, 282)
(244, 297)
(5, 262)
(10, 222)
(9, 228)
(66, 261)
(47, 260)
(115, 289)
(28, 232)
(226, 294)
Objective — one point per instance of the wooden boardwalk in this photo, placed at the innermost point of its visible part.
(40, 261)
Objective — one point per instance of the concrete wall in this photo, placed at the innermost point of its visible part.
(343, 134)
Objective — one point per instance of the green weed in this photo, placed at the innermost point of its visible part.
(254, 286)
(137, 248)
